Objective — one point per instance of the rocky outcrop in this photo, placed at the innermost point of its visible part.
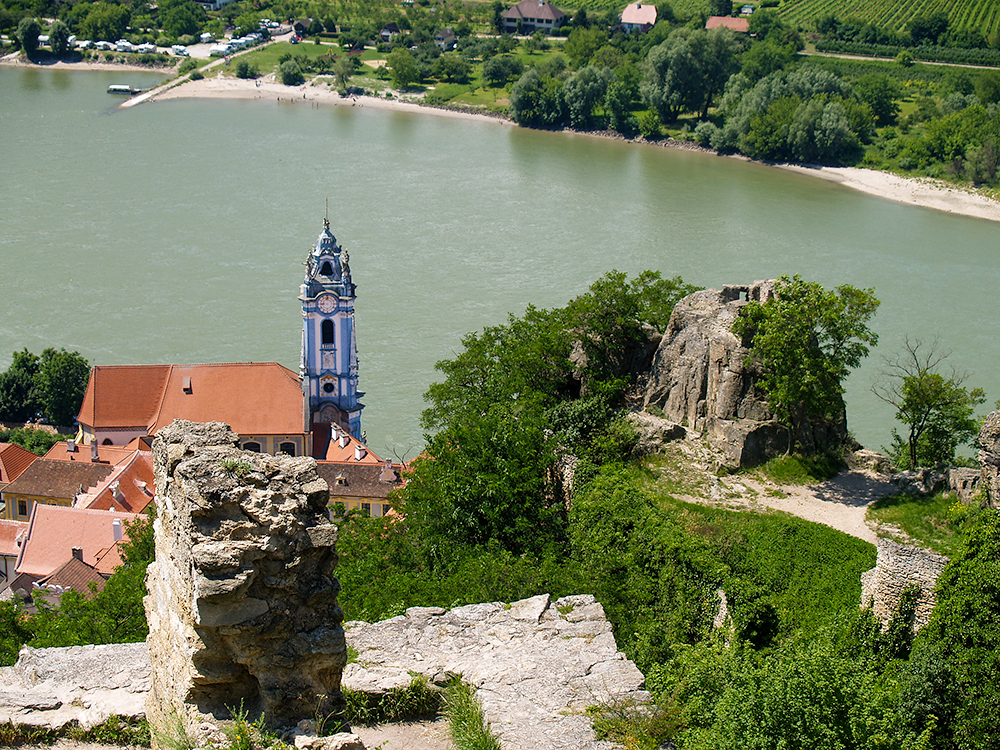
(51, 687)
(700, 380)
(536, 665)
(898, 566)
(242, 604)
(989, 458)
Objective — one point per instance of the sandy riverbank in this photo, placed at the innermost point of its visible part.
(923, 192)
(16, 60)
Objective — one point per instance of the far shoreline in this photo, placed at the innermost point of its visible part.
(914, 191)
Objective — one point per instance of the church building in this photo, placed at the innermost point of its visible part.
(316, 412)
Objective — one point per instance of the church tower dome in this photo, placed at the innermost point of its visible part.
(329, 368)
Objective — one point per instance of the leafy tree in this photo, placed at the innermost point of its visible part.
(452, 68)
(27, 35)
(928, 28)
(61, 383)
(583, 91)
(764, 58)
(806, 340)
(618, 103)
(582, 43)
(988, 86)
(31, 439)
(537, 101)
(720, 7)
(882, 94)
(343, 70)
(245, 70)
(180, 17)
(59, 38)
(500, 69)
(105, 21)
(403, 67)
(18, 395)
(963, 635)
(937, 411)
(290, 73)
(14, 631)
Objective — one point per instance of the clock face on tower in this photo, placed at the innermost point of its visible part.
(327, 303)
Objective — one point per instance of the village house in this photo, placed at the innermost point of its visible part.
(739, 25)
(529, 16)
(638, 17)
(13, 461)
(12, 534)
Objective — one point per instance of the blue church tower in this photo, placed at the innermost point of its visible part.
(329, 368)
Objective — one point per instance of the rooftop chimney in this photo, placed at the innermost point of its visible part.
(93, 450)
(116, 529)
(344, 440)
(359, 452)
(78, 553)
(70, 446)
(186, 384)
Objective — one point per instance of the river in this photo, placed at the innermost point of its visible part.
(174, 231)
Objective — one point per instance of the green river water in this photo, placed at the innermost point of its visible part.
(174, 231)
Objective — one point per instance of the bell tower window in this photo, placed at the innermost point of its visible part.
(326, 269)
(326, 332)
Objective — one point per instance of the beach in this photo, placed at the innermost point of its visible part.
(914, 191)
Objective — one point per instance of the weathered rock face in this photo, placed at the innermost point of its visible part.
(536, 665)
(242, 603)
(700, 379)
(989, 457)
(896, 567)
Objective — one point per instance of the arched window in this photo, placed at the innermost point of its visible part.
(326, 270)
(288, 448)
(326, 331)
(106, 441)
(251, 445)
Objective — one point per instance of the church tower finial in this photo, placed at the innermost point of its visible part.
(329, 368)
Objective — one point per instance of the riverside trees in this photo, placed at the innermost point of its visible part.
(51, 385)
(938, 411)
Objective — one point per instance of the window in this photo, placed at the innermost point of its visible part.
(22, 507)
(366, 508)
(326, 270)
(251, 445)
(106, 441)
(288, 448)
(326, 332)
(385, 509)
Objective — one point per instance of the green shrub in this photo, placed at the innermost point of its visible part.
(290, 73)
(197, 75)
(187, 66)
(649, 124)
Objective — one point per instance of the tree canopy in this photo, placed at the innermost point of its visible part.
(937, 411)
(51, 386)
(806, 340)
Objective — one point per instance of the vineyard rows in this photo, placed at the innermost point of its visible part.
(981, 15)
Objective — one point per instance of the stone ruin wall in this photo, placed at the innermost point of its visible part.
(898, 566)
(242, 604)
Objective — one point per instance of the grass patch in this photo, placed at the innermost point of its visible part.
(796, 469)
(418, 700)
(646, 727)
(933, 522)
(469, 728)
(115, 730)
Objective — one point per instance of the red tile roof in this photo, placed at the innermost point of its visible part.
(74, 574)
(639, 13)
(343, 448)
(123, 395)
(106, 454)
(131, 486)
(13, 461)
(59, 480)
(54, 531)
(736, 24)
(10, 533)
(254, 398)
(359, 480)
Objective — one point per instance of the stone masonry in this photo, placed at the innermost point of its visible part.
(896, 567)
(242, 603)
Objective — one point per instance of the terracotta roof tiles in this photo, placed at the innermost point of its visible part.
(54, 531)
(10, 534)
(13, 461)
(60, 480)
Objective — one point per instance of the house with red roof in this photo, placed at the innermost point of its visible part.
(529, 16)
(13, 460)
(638, 17)
(12, 535)
(56, 534)
(48, 482)
(740, 25)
